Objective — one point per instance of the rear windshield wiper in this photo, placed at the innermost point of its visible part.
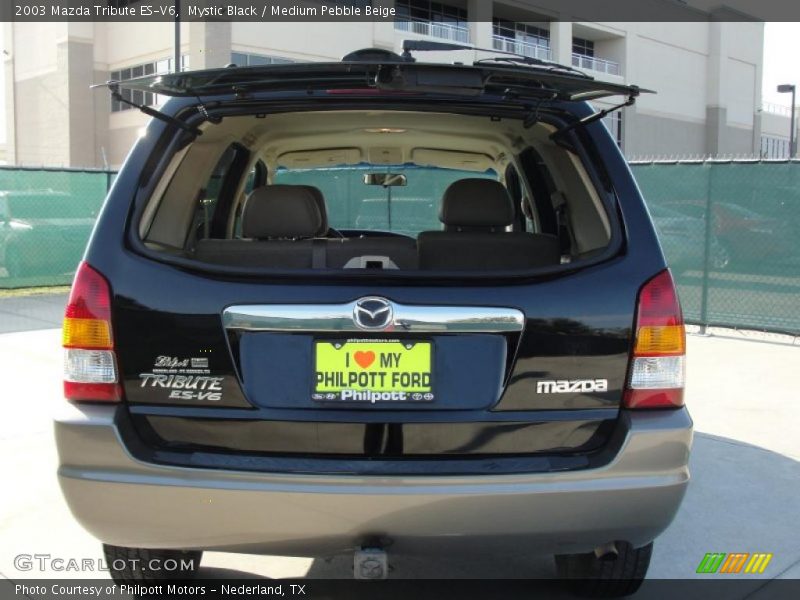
(532, 62)
(508, 57)
(113, 87)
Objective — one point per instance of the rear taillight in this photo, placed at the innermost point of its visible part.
(656, 374)
(90, 366)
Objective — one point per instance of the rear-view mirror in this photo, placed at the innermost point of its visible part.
(385, 179)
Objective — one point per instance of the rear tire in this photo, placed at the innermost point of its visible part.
(588, 575)
(139, 565)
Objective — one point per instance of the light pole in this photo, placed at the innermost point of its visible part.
(177, 65)
(785, 89)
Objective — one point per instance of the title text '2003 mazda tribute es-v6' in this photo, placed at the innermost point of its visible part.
(376, 306)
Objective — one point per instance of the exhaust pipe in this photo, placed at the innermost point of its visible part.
(607, 551)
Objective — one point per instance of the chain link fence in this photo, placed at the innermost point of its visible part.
(46, 216)
(730, 231)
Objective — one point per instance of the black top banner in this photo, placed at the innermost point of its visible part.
(387, 10)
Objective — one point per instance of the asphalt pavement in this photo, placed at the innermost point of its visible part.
(31, 312)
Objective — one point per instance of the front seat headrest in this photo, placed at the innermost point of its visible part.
(476, 204)
(281, 211)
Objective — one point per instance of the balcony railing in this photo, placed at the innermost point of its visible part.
(444, 31)
(506, 44)
(593, 63)
(776, 109)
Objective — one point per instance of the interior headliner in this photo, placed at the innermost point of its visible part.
(378, 137)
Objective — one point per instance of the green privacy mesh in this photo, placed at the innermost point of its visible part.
(46, 217)
(731, 233)
(730, 230)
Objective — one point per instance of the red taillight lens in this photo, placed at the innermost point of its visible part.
(92, 392)
(87, 319)
(90, 366)
(656, 374)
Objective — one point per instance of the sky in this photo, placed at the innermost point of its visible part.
(781, 54)
(781, 58)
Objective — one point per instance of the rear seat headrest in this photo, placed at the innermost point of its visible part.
(476, 204)
(323, 229)
(281, 211)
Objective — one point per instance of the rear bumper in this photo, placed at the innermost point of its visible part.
(127, 502)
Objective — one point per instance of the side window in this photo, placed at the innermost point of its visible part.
(523, 216)
(536, 175)
(209, 195)
(255, 179)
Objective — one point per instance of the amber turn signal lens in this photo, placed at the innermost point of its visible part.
(86, 333)
(660, 341)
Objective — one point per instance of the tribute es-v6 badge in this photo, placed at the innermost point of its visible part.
(184, 378)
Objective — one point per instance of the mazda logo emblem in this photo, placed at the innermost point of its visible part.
(373, 313)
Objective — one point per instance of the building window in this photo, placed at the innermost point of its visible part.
(521, 38)
(149, 68)
(584, 57)
(582, 47)
(435, 19)
(242, 59)
(613, 123)
(522, 32)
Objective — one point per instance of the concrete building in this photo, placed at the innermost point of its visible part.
(707, 74)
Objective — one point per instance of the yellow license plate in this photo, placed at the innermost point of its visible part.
(372, 371)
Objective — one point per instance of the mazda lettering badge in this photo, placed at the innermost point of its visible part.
(373, 313)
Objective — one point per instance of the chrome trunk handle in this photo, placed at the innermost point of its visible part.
(375, 314)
